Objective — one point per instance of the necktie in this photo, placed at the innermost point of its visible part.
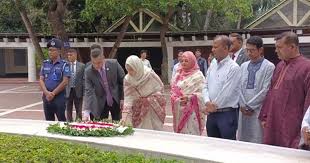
(72, 75)
(106, 88)
(233, 56)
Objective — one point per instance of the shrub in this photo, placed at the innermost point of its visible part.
(15, 148)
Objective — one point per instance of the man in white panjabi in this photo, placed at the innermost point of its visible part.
(305, 131)
(255, 82)
(143, 56)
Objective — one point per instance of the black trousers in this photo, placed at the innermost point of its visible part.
(73, 99)
(56, 106)
(114, 110)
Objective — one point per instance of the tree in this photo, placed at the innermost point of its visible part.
(10, 21)
(29, 28)
(261, 6)
(167, 8)
(112, 10)
(56, 13)
(219, 12)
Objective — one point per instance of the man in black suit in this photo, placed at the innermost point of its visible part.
(238, 54)
(75, 88)
(103, 87)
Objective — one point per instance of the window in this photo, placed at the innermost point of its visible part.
(20, 57)
(305, 50)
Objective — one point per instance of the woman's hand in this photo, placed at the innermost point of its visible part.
(183, 100)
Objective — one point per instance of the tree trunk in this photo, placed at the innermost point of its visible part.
(30, 30)
(207, 20)
(56, 13)
(120, 36)
(163, 30)
(239, 21)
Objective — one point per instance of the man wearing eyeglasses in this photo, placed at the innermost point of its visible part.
(256, 76)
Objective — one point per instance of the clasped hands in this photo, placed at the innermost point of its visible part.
(246, 111)
(211, 107)
(49, 95)
(306, 134)
(183, 100)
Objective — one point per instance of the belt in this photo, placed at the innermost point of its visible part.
(225, 109)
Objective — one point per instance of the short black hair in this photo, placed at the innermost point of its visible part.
(72, 50)
(96, 50)
(198, 50)
(180, 51)
(143, 51)
(94, 46)
(238, 36)
(255, 40)
(289, 37)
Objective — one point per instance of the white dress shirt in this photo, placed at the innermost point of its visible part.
(73, 74)
(175, 68)
(305, 123)
(306, 119)
(74, 66)
(222, 85)
(147, 63)
(237, 54)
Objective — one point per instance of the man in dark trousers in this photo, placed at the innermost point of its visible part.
(74, 90)
(103, 87)
(54, 77)
(221, 91)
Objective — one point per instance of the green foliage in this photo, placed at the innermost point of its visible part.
(45, 55)
(227, 10)
(103, 132)
(10, 21)
(35, 149)
(259, 7)
(87, 16)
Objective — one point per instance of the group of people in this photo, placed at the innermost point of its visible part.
(237, 95)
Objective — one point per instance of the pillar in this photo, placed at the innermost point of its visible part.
(32, 72)
(170, 61)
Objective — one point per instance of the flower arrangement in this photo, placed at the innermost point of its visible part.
(90, 128)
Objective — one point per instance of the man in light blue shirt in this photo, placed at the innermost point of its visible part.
(176, 63)
(221, 92)
(202, 63)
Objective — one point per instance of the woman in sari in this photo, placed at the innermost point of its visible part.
(186, 97)
(144, 103)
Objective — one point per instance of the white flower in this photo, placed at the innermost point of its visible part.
(121, 129)
(62, 124)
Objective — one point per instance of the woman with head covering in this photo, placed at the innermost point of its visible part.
(144, 103)
(186, 97)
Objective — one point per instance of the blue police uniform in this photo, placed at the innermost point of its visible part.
(53, 75)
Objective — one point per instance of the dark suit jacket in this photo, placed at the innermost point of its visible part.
(79, 81)
(242, 57)
(95, 95)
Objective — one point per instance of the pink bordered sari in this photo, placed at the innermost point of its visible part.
(188, 119)
(143, 99)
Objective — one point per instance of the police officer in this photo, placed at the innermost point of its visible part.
(54, 77)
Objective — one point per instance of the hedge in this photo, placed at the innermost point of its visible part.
(14, 148)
